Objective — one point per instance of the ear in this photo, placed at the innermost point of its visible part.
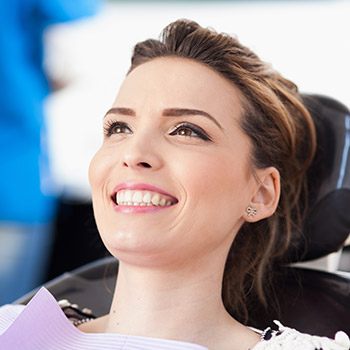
(265, 199)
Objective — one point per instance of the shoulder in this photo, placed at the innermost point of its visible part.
(8, 313)
(289, 338)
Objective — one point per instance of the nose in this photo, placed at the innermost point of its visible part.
(140, 155)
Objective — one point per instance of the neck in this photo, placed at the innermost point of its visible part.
(182, 304)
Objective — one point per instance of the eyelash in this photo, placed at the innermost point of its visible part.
(111, 125)
(109, 130)
(200, 133)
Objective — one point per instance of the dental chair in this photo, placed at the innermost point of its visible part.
(312, 301)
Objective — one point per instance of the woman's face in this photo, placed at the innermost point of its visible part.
(172, 178)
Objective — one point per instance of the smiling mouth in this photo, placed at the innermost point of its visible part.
(142, 198)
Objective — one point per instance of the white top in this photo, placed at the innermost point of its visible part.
(43, 325)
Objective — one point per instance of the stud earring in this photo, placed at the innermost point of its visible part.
(251, 212)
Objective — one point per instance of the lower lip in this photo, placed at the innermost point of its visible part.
(135, 209)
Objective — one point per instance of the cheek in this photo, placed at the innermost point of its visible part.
(96, 176)
(215, 177)
(99, 171)
(93, 173)
(99, 167)
(216, 191)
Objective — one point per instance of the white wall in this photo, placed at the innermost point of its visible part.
(308, 42)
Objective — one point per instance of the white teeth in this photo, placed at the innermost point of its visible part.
(155, 199)
(137, 197)
(127, 196)
(119, 197)
(147, 198)
(141, 198)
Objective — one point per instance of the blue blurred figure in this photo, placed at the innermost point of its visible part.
(27, 196)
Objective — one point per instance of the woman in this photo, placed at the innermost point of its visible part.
(196, 190)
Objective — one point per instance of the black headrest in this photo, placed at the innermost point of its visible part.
(327, 222)
(314, 302)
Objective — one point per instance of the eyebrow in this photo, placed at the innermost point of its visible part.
(168, 112)
(179, 112)
(121, 110)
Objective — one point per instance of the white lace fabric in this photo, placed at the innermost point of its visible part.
(290, 339)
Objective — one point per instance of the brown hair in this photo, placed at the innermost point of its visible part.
(282, 135)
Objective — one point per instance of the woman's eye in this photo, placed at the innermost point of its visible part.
(112, 128)
(186, 132)
(190, 130)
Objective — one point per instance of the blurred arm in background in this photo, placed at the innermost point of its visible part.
(27, 192)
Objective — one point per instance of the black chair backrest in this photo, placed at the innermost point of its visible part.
(327, 223)
(90, 286)
(311, 301)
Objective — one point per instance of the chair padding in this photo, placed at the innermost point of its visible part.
(327, 221)
(314, 302)
(91, 286)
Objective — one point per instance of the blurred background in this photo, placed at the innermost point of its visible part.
(85, 58)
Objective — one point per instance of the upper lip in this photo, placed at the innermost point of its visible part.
(141, 187)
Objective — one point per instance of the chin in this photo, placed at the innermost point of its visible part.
(129, 242)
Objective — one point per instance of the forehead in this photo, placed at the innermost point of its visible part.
(179, 82)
